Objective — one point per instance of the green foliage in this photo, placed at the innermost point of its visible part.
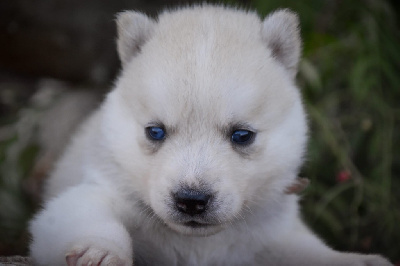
(17, 156)
(349, 76)
(15, 208)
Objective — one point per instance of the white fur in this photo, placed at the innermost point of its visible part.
(199, 71)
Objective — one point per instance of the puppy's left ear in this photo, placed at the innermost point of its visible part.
(134, 29)
(280, 31)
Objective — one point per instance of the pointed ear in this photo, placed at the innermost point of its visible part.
(134, 29)
(280, 32)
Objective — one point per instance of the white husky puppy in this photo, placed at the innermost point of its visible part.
(188, 159)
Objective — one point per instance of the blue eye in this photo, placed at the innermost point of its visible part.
(155, 133)
(242, 136)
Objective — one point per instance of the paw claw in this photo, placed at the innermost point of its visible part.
(71, 259)
(93, 256)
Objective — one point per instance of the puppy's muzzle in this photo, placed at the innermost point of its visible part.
(191, 202)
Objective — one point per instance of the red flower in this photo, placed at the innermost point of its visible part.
(343, 176)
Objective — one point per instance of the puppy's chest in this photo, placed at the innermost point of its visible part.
(182, 250)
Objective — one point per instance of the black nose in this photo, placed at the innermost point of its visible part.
(191, 201)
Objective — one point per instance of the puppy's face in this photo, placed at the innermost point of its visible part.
(207, 127)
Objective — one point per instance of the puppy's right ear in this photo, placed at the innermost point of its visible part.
(134, 29)
(281, 33)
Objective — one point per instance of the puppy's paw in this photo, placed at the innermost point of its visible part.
(369, 260)
(92, 255)
(372, 260)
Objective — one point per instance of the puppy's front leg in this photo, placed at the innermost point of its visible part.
(82, 226)
(301, 247)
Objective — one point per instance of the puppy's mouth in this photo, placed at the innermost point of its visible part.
(194, 228)
(194, 224)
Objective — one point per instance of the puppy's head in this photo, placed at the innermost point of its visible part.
(205, 120)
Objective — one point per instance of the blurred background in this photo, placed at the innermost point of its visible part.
(58, 59)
